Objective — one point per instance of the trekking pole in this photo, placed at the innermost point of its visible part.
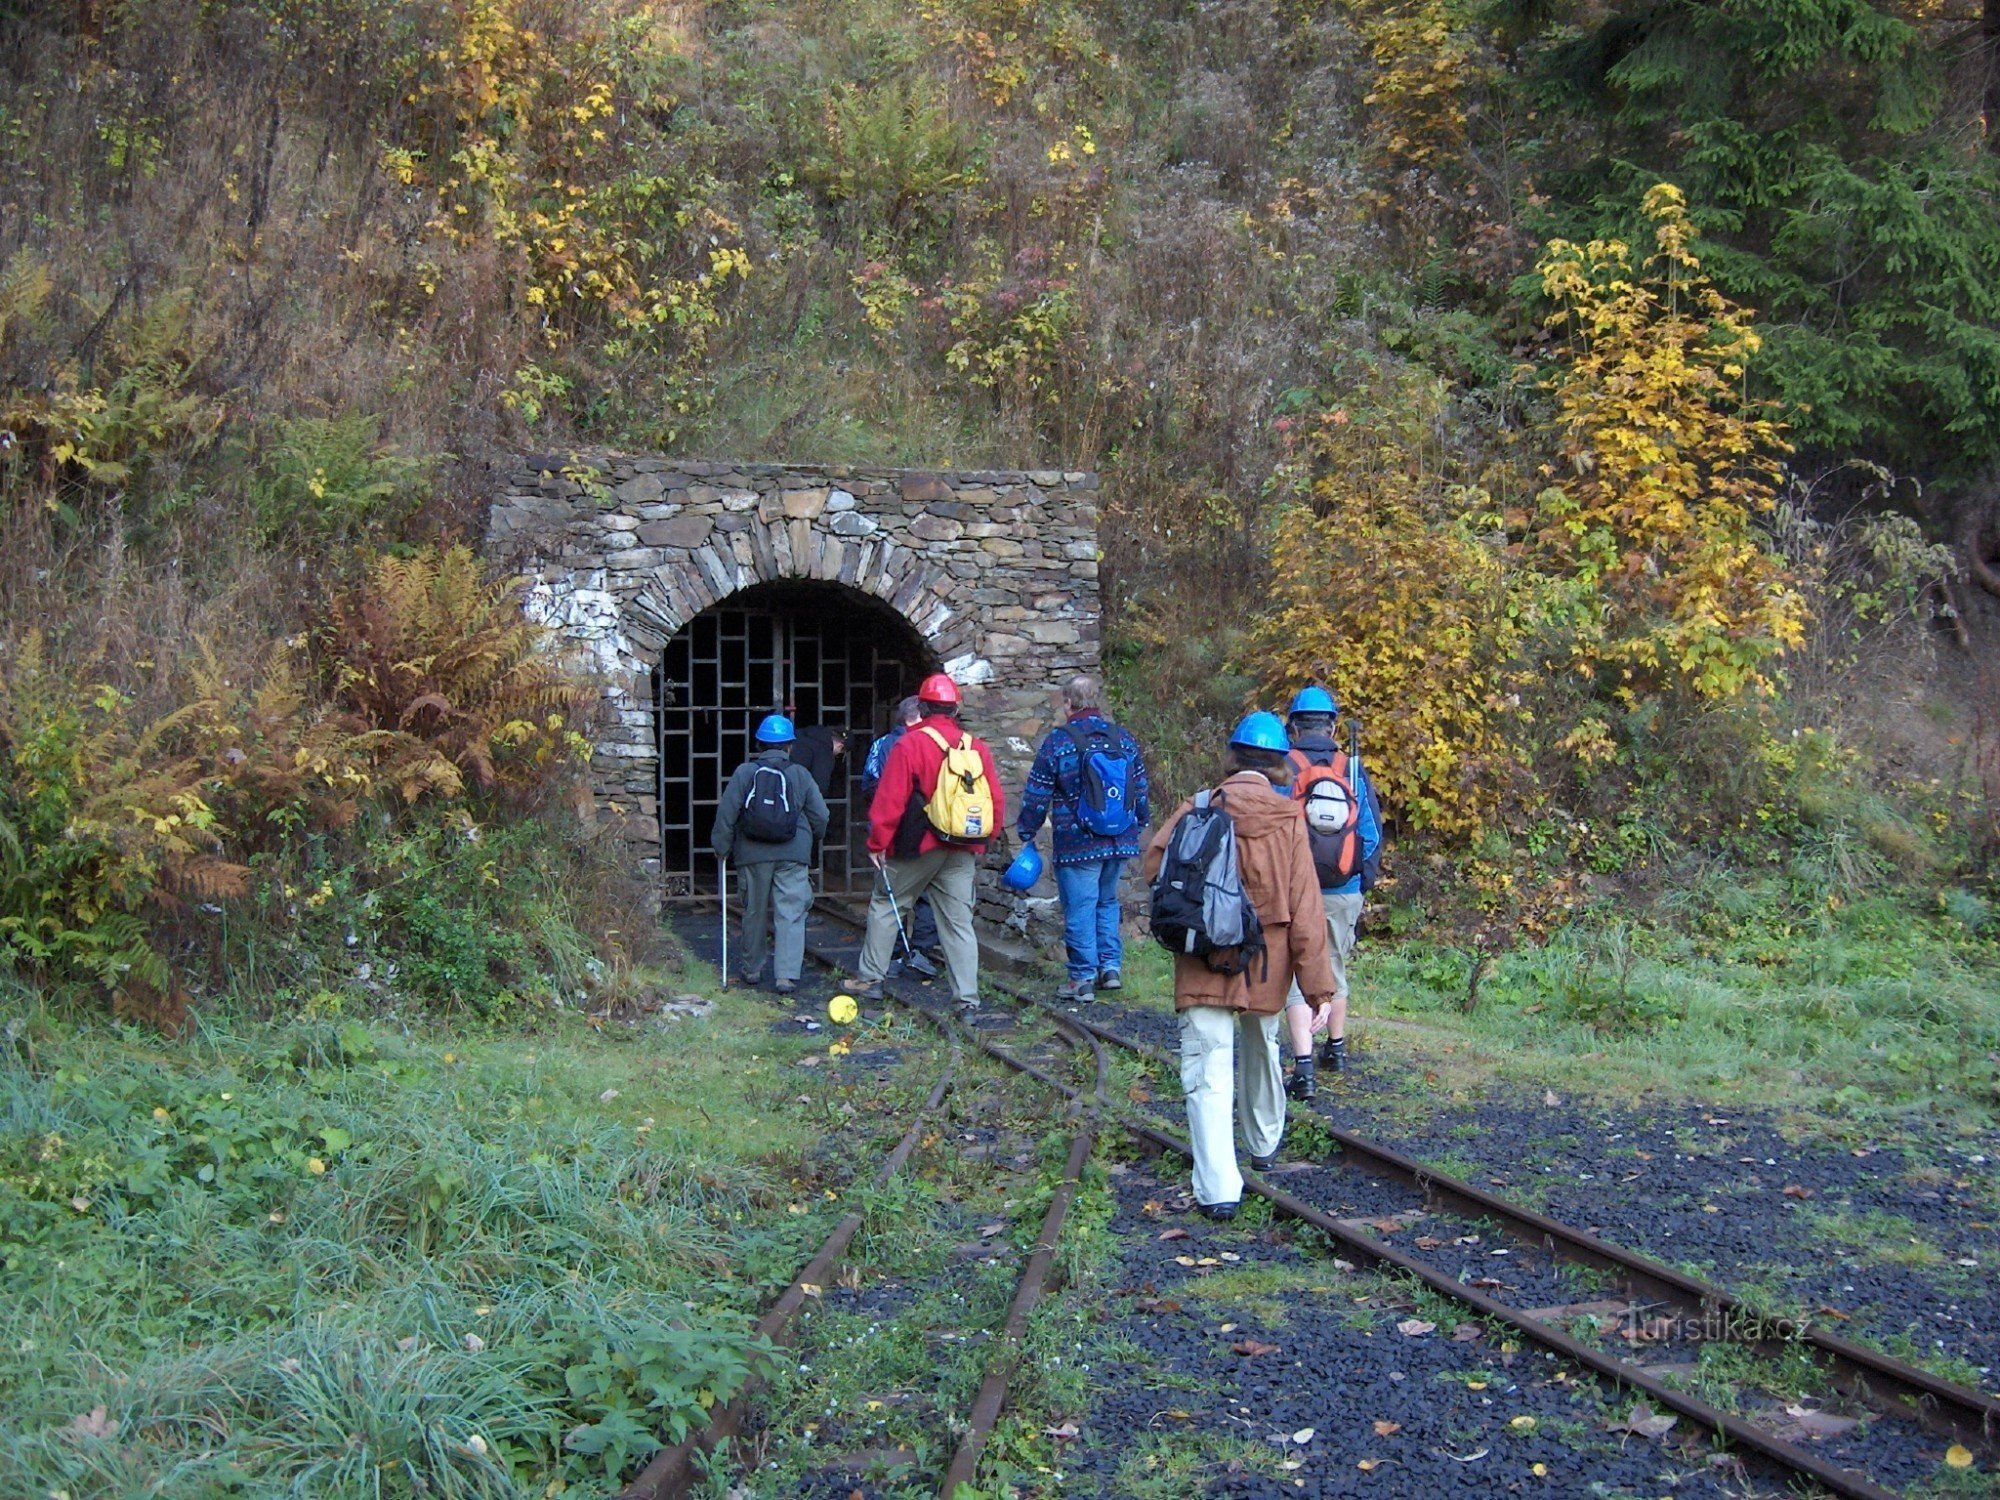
(890, 891)
(724, 863)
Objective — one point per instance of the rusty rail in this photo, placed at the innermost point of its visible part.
(673, 1470)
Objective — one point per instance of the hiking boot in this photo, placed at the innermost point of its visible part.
(1076, 991)
(1334, 1055)
(785, 986)
(916, 963)
(1265, 1163)
(1303, 1084)
(1109, 980)
(872, 993)
(1217, 1211)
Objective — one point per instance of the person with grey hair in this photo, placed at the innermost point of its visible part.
(1089, 782)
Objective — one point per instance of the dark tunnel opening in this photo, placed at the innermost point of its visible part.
(839, 657)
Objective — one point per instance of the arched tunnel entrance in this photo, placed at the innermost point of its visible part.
(831, 654)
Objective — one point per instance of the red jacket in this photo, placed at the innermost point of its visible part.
(912, 771)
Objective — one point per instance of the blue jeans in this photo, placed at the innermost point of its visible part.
(1089, 894)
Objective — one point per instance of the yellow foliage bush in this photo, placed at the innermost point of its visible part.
(1666, 468)
(525, 144)
(1382, 590)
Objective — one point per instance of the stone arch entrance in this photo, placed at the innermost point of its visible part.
(991, 575)
(830, 655)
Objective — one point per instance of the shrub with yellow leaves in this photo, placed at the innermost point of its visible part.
(1384, 589)
(1666, 469)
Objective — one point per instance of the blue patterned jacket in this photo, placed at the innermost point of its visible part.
(1055, 784)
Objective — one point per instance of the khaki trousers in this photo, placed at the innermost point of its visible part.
(1230, 1072)
(948, 875)
(1343, 913)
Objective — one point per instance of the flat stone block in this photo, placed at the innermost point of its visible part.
(641, 489)
(681, 531)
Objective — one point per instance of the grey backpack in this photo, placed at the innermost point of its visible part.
(1199, 904)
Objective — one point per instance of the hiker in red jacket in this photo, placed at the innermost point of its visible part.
(924, 838)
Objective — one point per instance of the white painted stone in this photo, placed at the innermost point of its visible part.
(969, 670)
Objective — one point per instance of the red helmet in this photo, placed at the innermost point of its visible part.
(938, 688)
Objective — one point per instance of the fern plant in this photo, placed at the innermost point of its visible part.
(446, 684)
(100, 818)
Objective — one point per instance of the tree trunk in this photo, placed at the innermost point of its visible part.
(1979, 537)
(1989, 34)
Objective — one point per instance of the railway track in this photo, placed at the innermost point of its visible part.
(1874, 1382)
(674, 1471)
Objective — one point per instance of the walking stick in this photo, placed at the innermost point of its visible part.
(890, 891)
(723, 861)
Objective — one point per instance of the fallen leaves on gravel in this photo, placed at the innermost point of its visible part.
(1303, 1436)
(1173, 1234)
(1797, 1190)
(1063, 1433)
(1415, 1328)
(1157, 1304)
(1642, 1421)
(1386, 1428)
(1189, 1260)
(987, 1231)
(1251, 1348)
(1466, 1333)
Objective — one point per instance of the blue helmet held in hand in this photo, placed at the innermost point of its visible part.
(1026, 869)
(1262, 731)
(1313, 700)
(776, 730)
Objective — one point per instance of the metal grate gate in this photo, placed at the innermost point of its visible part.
(837, 657)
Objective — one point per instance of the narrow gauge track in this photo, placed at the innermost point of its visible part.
(672, 1472)
(1886, 1385)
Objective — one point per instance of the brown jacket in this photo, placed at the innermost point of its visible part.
(1279, 878)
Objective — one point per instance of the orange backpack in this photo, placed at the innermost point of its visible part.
(1322, 783)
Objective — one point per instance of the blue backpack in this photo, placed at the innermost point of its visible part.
(1104, 785)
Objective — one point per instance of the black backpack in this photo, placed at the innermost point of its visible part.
(768, 814)
(1199, 904)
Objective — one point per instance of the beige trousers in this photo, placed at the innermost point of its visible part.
(948, 874)
(1230, 1073)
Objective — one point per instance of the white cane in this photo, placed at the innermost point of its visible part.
(724, 863)
(896, 911)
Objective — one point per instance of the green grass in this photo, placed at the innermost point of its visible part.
(317, 1257)
(1870, 1013)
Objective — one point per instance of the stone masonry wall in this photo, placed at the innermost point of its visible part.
(996, 570)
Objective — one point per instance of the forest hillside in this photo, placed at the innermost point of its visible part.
(1603, 398)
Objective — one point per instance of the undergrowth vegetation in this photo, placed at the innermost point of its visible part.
(322, 1256)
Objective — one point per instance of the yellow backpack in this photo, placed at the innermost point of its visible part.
(960, 808)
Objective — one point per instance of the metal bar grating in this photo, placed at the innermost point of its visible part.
(838, 658)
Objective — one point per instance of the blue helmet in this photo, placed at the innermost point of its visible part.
(776, 730)
(1261, 731)
(1026, 869)
(1313, 700)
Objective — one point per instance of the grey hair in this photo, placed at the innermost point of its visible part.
(909, 710)
(1083, 692)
